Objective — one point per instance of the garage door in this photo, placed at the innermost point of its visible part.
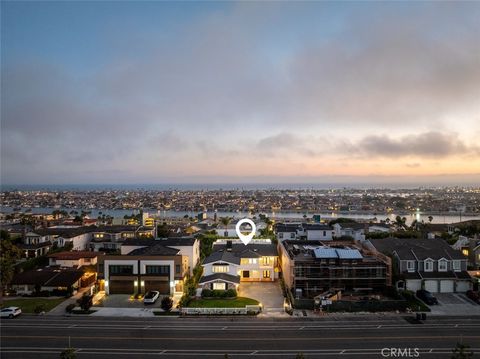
(162, 286)
(121, 287)
(431, 286)
(414, 285)
(446, 286)
(463, 286)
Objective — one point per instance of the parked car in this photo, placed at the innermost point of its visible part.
(151, 297)
(475, 296)
(10, 312)
(427, 297)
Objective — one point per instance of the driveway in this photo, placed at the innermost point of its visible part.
(454, 304)
(267, 293)
(125, 301)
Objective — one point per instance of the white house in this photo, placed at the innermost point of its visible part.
(233, 262)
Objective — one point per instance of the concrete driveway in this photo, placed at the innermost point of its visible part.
(125, 301)
(454, 304)
(267, 293)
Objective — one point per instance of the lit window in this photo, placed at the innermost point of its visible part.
(465, 252)
(219, 286)
(219, 269)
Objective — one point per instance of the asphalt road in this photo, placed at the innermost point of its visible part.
(46, 337)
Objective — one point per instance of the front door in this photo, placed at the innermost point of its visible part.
(246, 274)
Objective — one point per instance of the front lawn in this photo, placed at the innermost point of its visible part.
(28, 305)
(239, 302)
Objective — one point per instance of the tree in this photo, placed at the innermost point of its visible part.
(430, 219)
(163, 231)
(68, 353)
(166, 304)
(300, 356)
(9, 254)
(85, 302)
(461, 351)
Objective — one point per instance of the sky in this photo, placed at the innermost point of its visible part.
(261, 92)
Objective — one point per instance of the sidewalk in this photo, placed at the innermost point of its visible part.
(60, 309)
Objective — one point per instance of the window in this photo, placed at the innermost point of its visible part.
(411, 266)
(120, 269)
(219, 268)
(177, 268)
(465, 252)
(442, 265)
(280, 235)
(266, 261)
(324, 233)
(252, 261)
(292, 235)
(159, 270)
(428, 265)
(219, 286)
(266, 274)
(457, 266)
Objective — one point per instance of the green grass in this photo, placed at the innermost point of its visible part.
(239, 302)
(27, 305)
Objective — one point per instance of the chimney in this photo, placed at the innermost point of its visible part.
(229, 246)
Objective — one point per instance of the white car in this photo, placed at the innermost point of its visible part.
(151, 297)
(10, 312)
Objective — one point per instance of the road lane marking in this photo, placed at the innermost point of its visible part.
(242, 339)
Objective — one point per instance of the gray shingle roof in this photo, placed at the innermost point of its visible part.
(220, 276)
(155, 250)
(414, 248)
(222, 256)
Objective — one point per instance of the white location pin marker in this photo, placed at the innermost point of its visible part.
(245, 238)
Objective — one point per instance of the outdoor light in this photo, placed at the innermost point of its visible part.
(135, 283)
(142, 283)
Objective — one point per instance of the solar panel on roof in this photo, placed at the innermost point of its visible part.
(325, 253)
(349, 254)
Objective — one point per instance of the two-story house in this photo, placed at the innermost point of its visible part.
(156, 267)
(35, 245)
(350, 229)
(470, 248)
(304, 231)
(188, 247)
(233, 262)
(429, 264)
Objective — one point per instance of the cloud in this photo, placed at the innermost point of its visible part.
(424, 145)
(229, 86)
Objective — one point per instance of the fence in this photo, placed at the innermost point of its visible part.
(248, 309)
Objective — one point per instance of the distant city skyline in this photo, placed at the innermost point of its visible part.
(240, 92)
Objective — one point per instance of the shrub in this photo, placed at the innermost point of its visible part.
(39, 308)
(85, 302)
(166, 304)
(69, 308)
(231, 293)
(206, 293)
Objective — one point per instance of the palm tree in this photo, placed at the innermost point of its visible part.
(225, 221)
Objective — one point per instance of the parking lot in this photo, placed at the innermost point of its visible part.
(454, 304)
